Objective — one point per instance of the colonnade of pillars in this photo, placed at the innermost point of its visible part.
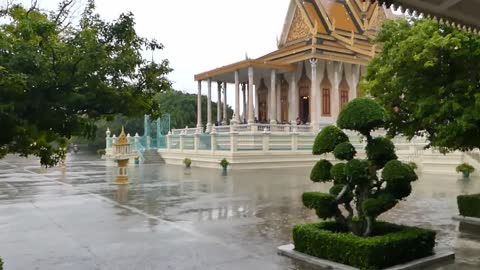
(222, 105)
(274, 104)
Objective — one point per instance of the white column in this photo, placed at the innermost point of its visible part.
(237, 96)
(273, 99)
(294, 103)
(209, 106)
(225, 116)
(334, 70)
(219, 103)
(257, 103)
(313, 95)
(355, 80)
(279, 103)
(251, 120)
(199, 105)
(244, 100)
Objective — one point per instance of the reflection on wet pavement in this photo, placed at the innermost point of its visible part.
(173, 218)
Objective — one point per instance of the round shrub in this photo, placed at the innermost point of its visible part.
(357, 171)
(362, 115)
(380, 151)
(395, 169)
(328, 138)
(344, 151)
(400, 188)
(321, 171)
(398, 176)
(324, 204)
(338, 173)
(376, 206)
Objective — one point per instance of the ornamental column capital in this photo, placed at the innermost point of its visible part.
(314, 62)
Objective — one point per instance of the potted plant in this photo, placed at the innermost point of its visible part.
(136, 160)
(224, 163)
(187, 162)
(413, 165)
(363, 189)
(101, 152)
(466, 169)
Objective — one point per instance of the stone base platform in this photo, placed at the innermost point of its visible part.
(442, 256)
(243, 160)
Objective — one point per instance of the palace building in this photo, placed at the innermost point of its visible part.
(322, 53)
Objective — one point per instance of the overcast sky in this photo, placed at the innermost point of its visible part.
(200, 35)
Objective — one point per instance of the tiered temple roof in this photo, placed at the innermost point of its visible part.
(336, 30)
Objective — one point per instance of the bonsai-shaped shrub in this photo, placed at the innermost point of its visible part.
(465, 168)
(224, 163)
(187, 162)
(358, 186)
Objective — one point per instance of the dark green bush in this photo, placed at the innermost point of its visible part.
(380, 151)
(338, 173)
(1, 264)
(344, 151)
(398, 176)
(376, 206)
(469, 205)
(321, 171)
(337, 189)
(357, 170)
(324, 204)
(328, 138)
(389, 245)
(362, 115)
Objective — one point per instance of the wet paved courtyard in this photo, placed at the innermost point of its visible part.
(172, 218)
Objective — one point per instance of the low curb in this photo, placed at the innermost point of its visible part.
(468, 220)
(441, 256)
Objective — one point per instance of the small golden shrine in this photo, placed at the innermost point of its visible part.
(122, 155)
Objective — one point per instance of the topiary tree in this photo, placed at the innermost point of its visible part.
(359, 187)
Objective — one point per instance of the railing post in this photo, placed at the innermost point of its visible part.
(136, 141)
(108, 141)
(233, 141)
(266, 140)
(149, 140)
(182, 139)
(233, 124)
(253, 127)
(114, 141)
(169, 140)
(213, 141)
(294, 139)
(196, 141)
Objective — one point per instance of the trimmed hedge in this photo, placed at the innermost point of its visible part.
(390, 244)
(469, 205)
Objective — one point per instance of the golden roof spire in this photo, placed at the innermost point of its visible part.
(122, 139)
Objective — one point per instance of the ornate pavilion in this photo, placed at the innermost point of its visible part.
(322, 53)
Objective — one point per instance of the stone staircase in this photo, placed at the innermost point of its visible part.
(152, 157)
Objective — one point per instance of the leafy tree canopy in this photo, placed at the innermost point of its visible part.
(58, 78)
(183, 109)
(428, 79)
